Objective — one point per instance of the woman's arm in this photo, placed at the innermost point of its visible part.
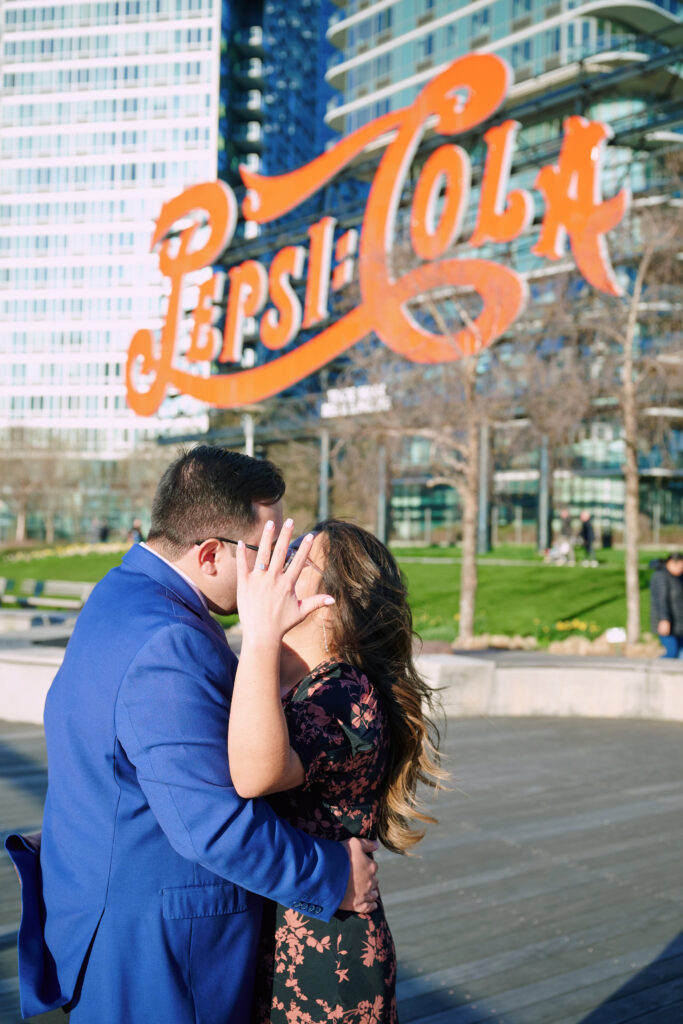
(261, 759)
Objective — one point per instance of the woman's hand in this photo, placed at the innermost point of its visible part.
(261, 759)
(266, 597)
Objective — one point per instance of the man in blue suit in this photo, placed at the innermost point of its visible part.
(153, 868)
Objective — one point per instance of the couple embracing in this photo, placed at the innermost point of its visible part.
(146, 901)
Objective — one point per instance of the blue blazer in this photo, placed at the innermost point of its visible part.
(153, 868)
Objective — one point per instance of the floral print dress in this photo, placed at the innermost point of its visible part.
(311, 971)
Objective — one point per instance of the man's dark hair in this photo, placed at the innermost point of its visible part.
(208, 492)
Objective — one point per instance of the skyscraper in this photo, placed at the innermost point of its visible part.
(617, 63)
(387, 50)
(107, 110)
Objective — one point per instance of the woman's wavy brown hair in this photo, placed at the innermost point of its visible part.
(372, 629)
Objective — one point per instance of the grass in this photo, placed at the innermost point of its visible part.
(521, 599)
(86, 568)
(512, 551)
(525, 599)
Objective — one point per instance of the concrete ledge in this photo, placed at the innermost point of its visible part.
(586, 688)
(25, 677)
(533, 684)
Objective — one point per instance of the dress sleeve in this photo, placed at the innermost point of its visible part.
(334, 723)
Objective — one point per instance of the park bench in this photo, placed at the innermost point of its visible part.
(40, 593)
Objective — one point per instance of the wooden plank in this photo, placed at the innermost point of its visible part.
(550, 893)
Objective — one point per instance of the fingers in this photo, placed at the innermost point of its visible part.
(265, 546)
(311, 604)
(299, 560)
(279, 552)
(365, 908)
(241, 562)
(362, 892)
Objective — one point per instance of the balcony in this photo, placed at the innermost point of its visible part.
(249, 41)
(249, 73)
(248, 138)
(247, 106)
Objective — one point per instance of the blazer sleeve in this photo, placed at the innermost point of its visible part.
(172, 721)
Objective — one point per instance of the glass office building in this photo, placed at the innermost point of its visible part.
(621, 63)
(387, 50)
(107, 110)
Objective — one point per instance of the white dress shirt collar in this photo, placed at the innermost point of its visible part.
(180, 572)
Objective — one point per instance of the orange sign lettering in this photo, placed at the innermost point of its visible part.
(465, 94)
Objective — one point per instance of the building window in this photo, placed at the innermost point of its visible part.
(521, 53)
(552, 38)
(425, 47)
(480, 21)
(520, 8)
(383, 65)
(384, 20)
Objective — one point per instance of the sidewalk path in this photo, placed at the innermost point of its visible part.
(551, 892)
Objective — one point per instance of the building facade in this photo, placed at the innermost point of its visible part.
(621, 63)
(107, 110)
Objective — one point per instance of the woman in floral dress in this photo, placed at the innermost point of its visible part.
(332, 722)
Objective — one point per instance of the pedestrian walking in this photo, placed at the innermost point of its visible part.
(587, 536)
(666, 609)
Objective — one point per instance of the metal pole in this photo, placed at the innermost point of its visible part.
(518, 524)
(483, 541)
(382, 494)
(248, 428)
(543, 497)
(428, 526)
(324, 486)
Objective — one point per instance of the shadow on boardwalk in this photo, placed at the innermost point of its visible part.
(655, 992)
(550, 892)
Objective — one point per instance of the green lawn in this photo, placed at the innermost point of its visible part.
(88, 568)
(516, 552)
(521, 599)
(511, 599)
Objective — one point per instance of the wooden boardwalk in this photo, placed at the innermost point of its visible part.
(551, 892)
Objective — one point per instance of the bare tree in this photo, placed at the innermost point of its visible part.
(550, 380)
(37, 475)
(658, 234)
(628, 343)
(444, 406)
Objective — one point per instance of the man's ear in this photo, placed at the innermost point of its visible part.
(206, 557)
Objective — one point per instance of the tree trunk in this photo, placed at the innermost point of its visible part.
(631, 478)
(631, 505)
(49, 527)
(631, 538)
(20, 533)
(469, 495)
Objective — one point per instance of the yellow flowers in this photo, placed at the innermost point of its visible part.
(562, 628)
